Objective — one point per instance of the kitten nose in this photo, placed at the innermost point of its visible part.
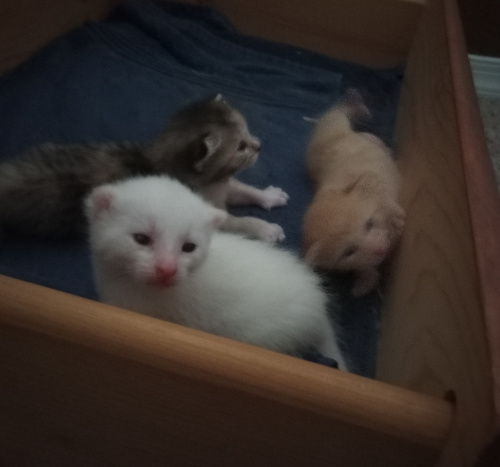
(166, 270)
(256, 144)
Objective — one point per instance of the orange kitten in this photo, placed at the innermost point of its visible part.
(354, 218)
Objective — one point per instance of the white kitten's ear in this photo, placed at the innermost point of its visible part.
(99, 202)
(211, 144)
(218, 217)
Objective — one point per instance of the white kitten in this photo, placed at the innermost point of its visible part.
(155, 251)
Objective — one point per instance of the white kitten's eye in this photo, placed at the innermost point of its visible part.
(242, 146)
(188, 247)
(349, 252)
(370, 223)
(142, 239)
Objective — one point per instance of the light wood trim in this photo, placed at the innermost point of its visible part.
(372, 32)
(433, 330)
(28, 25)
(355, 417)
(482, 190)
(443, 281)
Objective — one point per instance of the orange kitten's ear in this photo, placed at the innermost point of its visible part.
(353, 184)
(99, 202)
(355, 101)
(363, 185)
(312, 254)
(349, 187)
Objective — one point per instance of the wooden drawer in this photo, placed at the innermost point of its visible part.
(86, 384)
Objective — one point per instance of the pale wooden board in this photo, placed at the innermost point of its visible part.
(373, 32)
(433, 330)
(433, 338)
(27, 25)
(86, 382)
(482, 191)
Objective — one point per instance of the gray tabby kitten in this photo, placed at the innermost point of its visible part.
(204, 145)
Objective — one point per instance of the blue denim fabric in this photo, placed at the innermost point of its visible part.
(123, 78)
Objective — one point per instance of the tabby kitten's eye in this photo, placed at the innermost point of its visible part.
(370, 223)
(349, 252)
(142, 239)
(242, 146)
(188, 247)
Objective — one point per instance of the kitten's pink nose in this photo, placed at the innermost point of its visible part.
(165, 271)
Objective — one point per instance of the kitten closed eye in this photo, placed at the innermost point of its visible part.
(349, 252)
(142, 239)
(242, 146)
(370, 223)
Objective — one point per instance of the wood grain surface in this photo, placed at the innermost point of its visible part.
(433, 332)
(27, 25)
(85, 382)
(373, 32)
(482, 191)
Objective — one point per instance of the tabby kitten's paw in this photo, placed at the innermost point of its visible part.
(272, 197)
(271, 233)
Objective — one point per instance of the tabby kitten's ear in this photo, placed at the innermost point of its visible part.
(211, 144)
(220, 98)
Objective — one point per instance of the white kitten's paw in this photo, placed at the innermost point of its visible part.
(272, 233)
(272, 197)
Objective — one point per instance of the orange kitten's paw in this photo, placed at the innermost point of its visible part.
(271, 233)
(365, 282)
(396, 219)
(398, 222)
(272, 197)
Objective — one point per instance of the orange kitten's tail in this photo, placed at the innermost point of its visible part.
(350, 107)
(353, 105)
(339, 118)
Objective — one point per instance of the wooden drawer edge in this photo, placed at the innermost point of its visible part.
(482, 190)
(373, 405)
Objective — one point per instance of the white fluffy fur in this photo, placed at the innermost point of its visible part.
(229, 285)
